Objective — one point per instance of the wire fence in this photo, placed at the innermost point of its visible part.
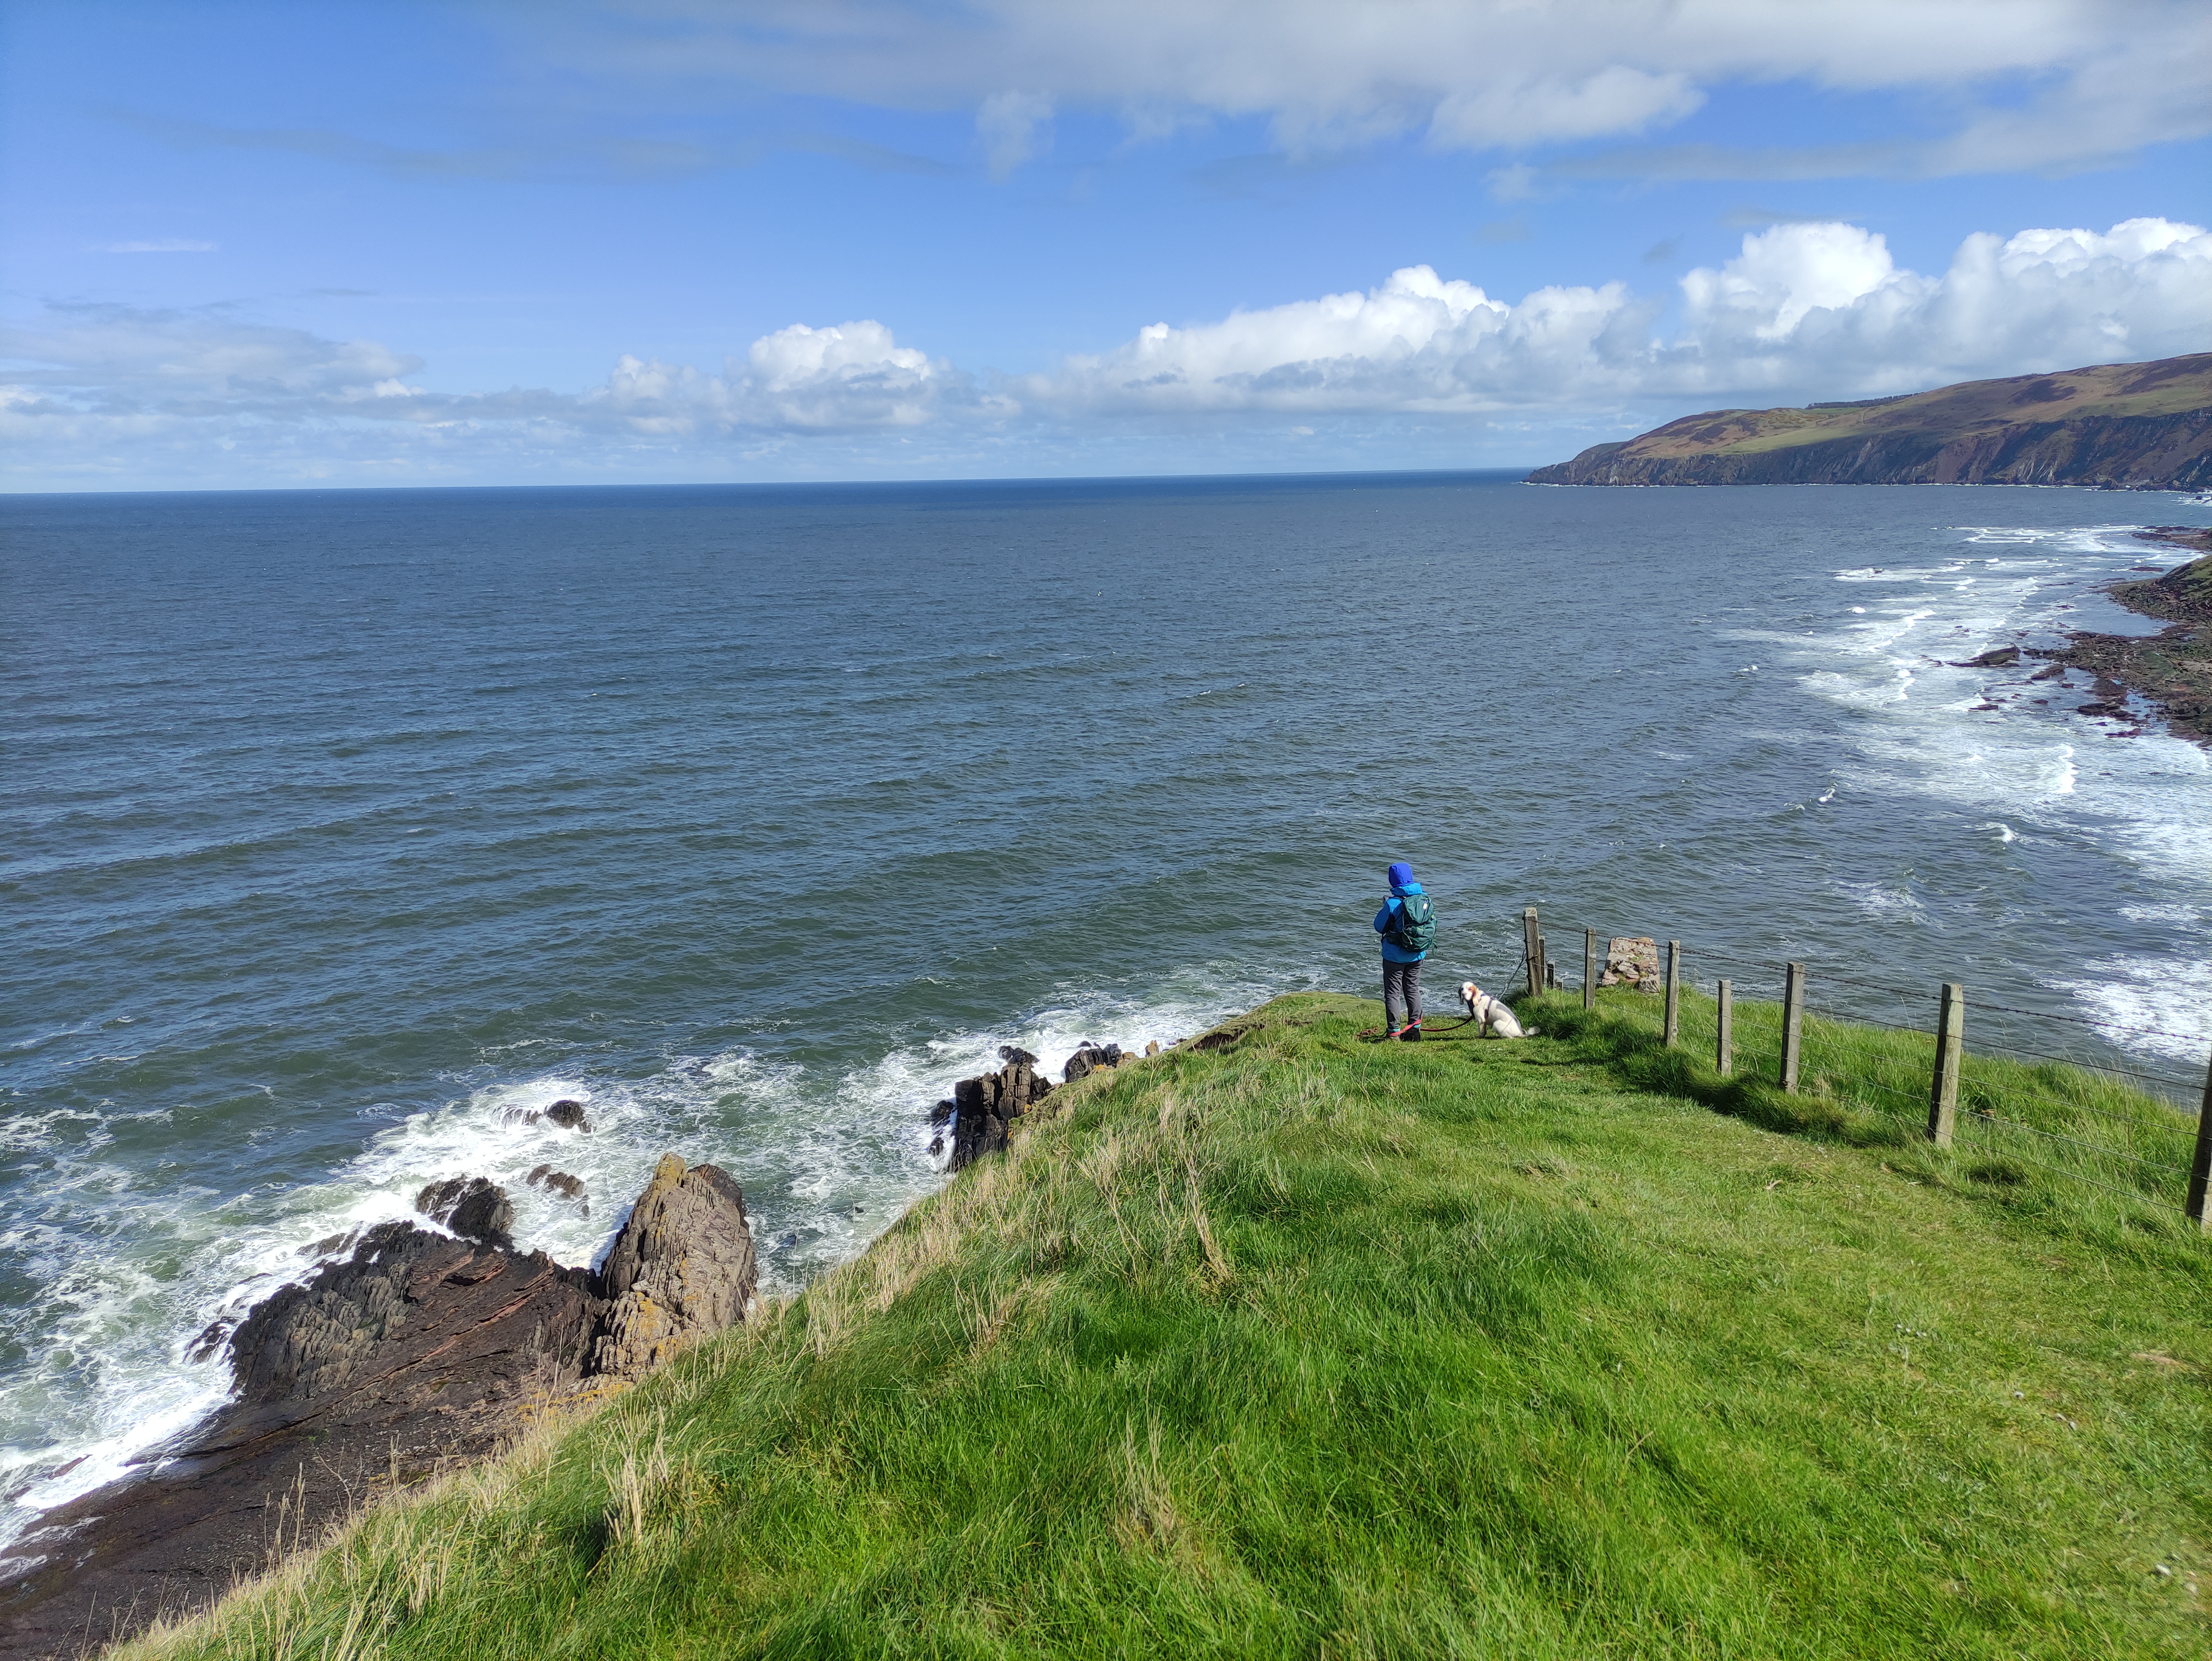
(2078, 1105)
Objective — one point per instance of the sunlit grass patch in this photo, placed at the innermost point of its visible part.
(1306, 1345)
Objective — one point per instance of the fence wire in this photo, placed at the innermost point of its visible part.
(2150, 1137)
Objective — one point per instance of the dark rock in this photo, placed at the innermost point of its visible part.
(2049, 672)
(1089, 1058)
(2101, 709)
(404, 1294)
(1997, 657)
(558, 1182)
(216, 1334)
(984, 1107)
(942, 1112)
(331, 1243)
(568, 1115)
(473, 1209)
(1011, 1053)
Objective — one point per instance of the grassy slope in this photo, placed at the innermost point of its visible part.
(1956, 411)
(1311, 1346)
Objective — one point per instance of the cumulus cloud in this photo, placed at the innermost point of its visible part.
(2107, 76)
(800, 380)
(90, 388)
(1803, 311)
(1820, 309)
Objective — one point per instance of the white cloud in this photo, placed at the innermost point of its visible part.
(1803, 311)
(1614, 100)
(799, 379)
(117, 357)
(1014, 127)
(110, 392)
(2110, 75)
(1817, 310)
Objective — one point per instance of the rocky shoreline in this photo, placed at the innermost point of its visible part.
(427, 1349)
(421, 1351)
(2169, 671)
(430, 1346)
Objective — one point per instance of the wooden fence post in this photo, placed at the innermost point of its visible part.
(1532, 950)
(1950, 1043)
(2200, 1167)
(1674, 991)
(1589, 968)
(1792, 1018)
(1724, 1046)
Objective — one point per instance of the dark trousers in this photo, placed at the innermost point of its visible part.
(1401, 991)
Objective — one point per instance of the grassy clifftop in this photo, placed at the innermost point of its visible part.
(1304, 1345)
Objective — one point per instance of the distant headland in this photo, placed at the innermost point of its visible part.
(2120, 426)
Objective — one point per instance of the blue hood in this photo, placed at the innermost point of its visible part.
(1401, 878)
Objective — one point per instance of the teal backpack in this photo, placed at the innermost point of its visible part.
(1415, 928)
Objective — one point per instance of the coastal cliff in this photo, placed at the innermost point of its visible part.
(2120, 426)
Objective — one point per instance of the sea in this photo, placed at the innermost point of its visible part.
(342, 832)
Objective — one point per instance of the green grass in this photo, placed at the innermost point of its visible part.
(1307, 1346)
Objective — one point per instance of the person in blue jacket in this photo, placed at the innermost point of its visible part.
(1408, 924)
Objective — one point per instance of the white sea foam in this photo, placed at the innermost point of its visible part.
(2154, 1004)
(1989, 737)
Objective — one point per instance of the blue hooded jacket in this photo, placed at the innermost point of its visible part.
(1401, 884)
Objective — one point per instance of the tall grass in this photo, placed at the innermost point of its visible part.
(1312, 1345)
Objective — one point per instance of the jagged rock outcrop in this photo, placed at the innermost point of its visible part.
(1632, 961)
(682, 1266)
(981, 1112)
(984, 1108)
(2121, 426)
(1089, 1058)
(406, 1297)
(472, 1208)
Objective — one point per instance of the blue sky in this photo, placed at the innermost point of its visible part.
(330, 244)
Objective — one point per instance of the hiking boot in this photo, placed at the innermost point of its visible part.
(1411, 1035)
(1391, 1036)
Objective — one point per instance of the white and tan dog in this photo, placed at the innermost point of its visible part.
(1491, 1013)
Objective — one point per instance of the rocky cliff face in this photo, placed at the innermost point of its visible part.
(682, 1265)
(2163, 452)
(412, 1355)
(2131, 426)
